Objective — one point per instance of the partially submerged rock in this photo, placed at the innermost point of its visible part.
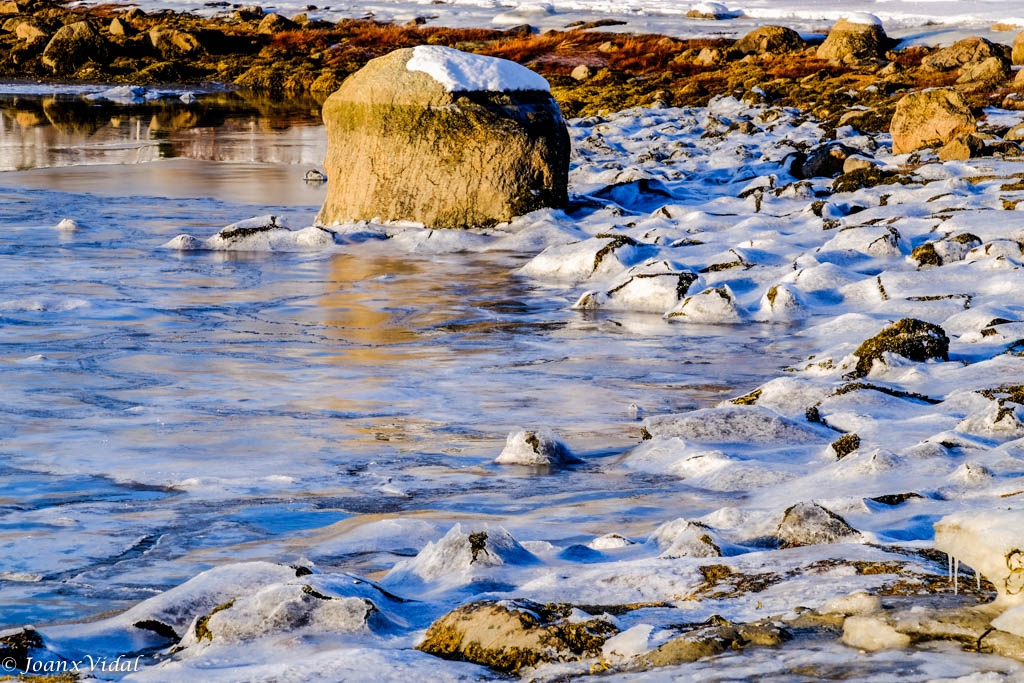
(444, 138)
(537, 448)
(930, 118)
(910, 338)
(509, 635)
(811, 524)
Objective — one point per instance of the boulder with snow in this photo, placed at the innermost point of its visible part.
(536, 448)
(858, 36)
(444, 138)
(712, 305)
(930, 118)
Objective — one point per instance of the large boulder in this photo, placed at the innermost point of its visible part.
(930, 118)
(445, 138)
(859, 36)
(971, 50)
(72, 46)
(770, 40)
(170, 43)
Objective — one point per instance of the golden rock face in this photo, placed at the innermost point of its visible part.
(401, 147)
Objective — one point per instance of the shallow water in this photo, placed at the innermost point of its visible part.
(165, 412)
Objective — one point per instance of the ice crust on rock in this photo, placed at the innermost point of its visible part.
(536, 448)
(261, 233)
(460, 71)
(459, 556)
(991, 543)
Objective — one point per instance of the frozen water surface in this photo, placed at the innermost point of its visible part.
(189, 408)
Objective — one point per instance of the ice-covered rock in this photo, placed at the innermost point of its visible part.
(261, 233)
(811, 524)
(732, 424)
(535, 448)
(275, 610)
(715, 305)
(67, 225)
(856, 603)
(990, 542)
(683, 538)
(653, 286)
(873, 633)
(459, 556)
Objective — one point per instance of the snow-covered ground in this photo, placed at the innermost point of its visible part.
(314, 413)
(916, 21)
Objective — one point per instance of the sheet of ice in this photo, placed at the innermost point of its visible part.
(460, 71)
(338, 410)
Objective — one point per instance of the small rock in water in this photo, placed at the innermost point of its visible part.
(535, 448)
(67, 225)
(315, 176)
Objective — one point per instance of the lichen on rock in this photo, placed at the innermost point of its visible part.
(910, 338)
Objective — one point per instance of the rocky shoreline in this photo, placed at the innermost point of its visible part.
(851, 77)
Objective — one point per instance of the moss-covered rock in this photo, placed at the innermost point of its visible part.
(512, 634)
(913, 339)
(72, 46)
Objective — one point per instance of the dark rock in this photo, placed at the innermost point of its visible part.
(72, 46)
(826, 161)
(913, 339)
(770, 40)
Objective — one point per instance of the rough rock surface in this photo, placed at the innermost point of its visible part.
(509, 635)
(403, 147)
(971, 50)
(72, 45)
(913, 339)
(929, 118)
(769, 40)
(811, 524)
(848, 39)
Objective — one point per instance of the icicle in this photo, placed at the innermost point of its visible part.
(949, 567)
(977, 579)
(956, 576)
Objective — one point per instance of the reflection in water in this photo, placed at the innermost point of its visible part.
(42, 131)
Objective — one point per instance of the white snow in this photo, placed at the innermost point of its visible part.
(460, 71)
